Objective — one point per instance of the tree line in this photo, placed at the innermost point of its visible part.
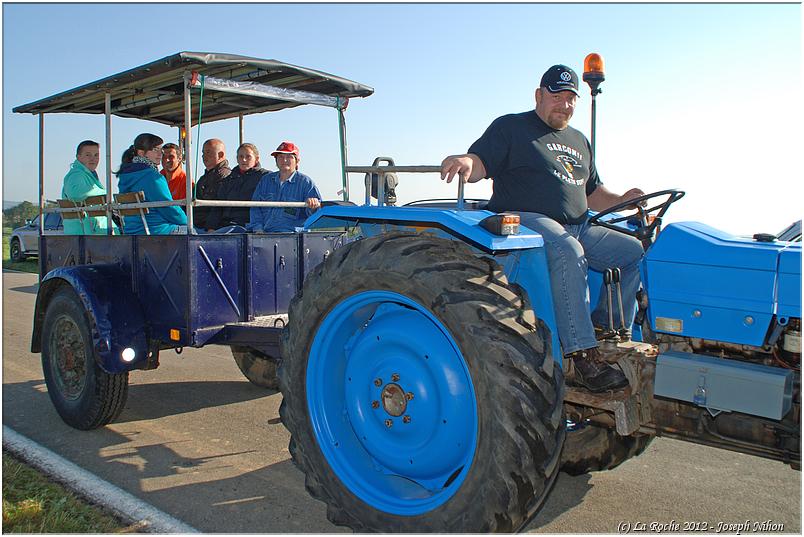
(19, 214)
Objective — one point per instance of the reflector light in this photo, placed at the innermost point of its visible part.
(175, 335)
(501, 224)
(128, 354)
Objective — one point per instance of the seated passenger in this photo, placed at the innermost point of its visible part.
(213, 154)
(80, 183)
(238, 186)
(288, 184)
(172, 171)
(138, 172)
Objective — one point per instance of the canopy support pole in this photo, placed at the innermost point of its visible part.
(107, 98)
(344, 155)
(188, 130)
(41, 172)
(242, 128)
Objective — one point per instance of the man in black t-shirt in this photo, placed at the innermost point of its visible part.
(544, 169)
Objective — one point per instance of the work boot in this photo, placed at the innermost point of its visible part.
(593, 373)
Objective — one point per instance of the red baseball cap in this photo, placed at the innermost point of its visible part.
(288, 148)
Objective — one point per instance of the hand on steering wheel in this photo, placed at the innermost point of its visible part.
(647, 226)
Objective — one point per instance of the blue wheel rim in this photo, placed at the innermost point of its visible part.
(391, 403)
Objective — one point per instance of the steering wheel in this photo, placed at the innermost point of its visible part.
(645, 226)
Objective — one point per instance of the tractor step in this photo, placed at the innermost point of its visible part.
(622, 404)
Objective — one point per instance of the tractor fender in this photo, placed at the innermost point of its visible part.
(114, 312)
(463, 225)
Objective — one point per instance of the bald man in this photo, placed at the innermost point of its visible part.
(217, 168)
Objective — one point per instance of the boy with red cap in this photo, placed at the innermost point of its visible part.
(287, 184)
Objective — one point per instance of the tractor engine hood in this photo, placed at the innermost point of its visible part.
(702, 282)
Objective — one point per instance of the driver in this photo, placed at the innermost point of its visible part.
(544, 169)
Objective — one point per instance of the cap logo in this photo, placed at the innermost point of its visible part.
(566, 77)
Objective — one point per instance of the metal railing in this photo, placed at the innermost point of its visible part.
(381, 171)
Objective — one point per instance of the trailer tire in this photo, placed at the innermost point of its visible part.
(85, 396)
(474, 444)
(258, 368)
(594, 448)
(15, 251)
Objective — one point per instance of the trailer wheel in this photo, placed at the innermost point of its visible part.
(258, 368)
(85, 396)
(593, 448)
(15, 251)
(419, 390)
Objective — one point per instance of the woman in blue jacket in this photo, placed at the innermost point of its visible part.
(138, 172)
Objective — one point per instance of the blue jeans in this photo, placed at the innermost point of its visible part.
(572, 249)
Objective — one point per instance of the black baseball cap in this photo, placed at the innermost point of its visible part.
(560, 78)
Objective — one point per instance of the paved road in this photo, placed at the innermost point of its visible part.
(202, 444)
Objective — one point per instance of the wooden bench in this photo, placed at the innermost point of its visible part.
(72, 215)
(132, 197)
(83, 213)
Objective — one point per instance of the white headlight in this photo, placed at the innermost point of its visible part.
(128, 354)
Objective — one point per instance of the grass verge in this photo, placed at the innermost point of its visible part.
(30, 265)
(33, 504)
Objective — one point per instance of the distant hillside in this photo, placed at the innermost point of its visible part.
(10, 204)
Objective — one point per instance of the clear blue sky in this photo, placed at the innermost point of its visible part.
(706, 98)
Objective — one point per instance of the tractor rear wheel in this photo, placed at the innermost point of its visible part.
(258, 368)
(592, 448)
(419, 390)
(85, 396)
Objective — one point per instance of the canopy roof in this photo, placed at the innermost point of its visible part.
(155, 91)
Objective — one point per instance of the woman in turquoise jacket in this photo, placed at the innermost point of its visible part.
(138, 172)
(80, 183)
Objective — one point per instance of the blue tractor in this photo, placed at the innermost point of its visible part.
(415, 346)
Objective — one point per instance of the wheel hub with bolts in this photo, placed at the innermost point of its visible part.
(393, 400)
(69, 368)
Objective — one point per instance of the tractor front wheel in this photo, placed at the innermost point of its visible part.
(591, 448)
(419, 390)
(258, 368)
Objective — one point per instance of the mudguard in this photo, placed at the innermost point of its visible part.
(464, 225)
(114, 312)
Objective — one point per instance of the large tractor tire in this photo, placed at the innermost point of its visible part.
(85, 396)
(15, 251)
(592, 448)
(258, 368)
(419, 390)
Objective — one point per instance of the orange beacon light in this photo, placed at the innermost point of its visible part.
(593, 71)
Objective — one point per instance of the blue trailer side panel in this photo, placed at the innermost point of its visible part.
(273, 272)
(162, 282)
(216, 289)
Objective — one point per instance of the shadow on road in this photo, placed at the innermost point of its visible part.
(30, 289)
(568, 492)
(156, 400)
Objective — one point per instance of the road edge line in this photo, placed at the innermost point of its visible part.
(128, 507)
